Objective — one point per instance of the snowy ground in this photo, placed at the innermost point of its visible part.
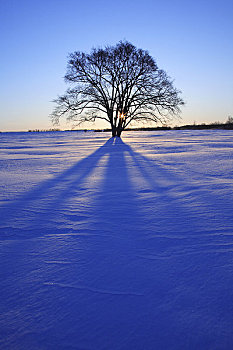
(116, 245)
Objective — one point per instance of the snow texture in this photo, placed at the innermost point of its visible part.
(116, 244)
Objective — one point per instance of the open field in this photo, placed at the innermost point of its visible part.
(124, 244)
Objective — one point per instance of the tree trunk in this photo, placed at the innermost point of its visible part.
(114, 131)
(119, 130)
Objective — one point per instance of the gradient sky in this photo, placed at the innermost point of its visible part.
(190, 40)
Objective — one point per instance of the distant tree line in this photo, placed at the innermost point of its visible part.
(228, 125)
(44, 130)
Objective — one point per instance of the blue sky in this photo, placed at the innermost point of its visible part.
(191, 40)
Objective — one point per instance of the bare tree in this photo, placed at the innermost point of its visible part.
(119, 84)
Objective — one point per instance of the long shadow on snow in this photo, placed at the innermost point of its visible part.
(45, 203)
(48, 198)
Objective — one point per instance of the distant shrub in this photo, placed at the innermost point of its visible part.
(216, 123)
(229, 120)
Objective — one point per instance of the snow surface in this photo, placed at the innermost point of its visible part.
(116, 244)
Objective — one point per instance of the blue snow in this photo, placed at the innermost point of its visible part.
(116, 244)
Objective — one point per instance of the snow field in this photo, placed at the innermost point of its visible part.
(116, 244)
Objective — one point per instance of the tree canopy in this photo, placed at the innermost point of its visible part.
(119, 84)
